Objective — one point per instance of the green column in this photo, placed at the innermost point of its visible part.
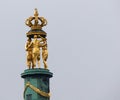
(36, 83)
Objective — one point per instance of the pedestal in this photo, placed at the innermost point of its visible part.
(36, 83)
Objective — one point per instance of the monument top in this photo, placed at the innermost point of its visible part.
(36, 45)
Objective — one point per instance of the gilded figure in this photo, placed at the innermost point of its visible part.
(45, 53)
(36, 51)
(28, 48)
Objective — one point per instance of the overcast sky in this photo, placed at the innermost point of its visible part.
(83, 43)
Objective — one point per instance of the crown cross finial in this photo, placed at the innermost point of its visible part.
(36, 12)
(36, 21)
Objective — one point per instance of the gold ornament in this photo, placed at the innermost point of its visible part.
(40, 92)
(39, 22)
(36, 45)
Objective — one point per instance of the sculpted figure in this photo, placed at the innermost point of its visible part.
(28, 48)
(36, 51)
(45, 53)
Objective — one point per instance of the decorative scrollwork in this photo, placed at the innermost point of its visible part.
(40, 92)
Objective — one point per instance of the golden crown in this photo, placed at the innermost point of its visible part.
(36, 23)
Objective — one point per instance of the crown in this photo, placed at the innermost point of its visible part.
(36, 23)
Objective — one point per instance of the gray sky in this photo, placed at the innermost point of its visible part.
(83, 42)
